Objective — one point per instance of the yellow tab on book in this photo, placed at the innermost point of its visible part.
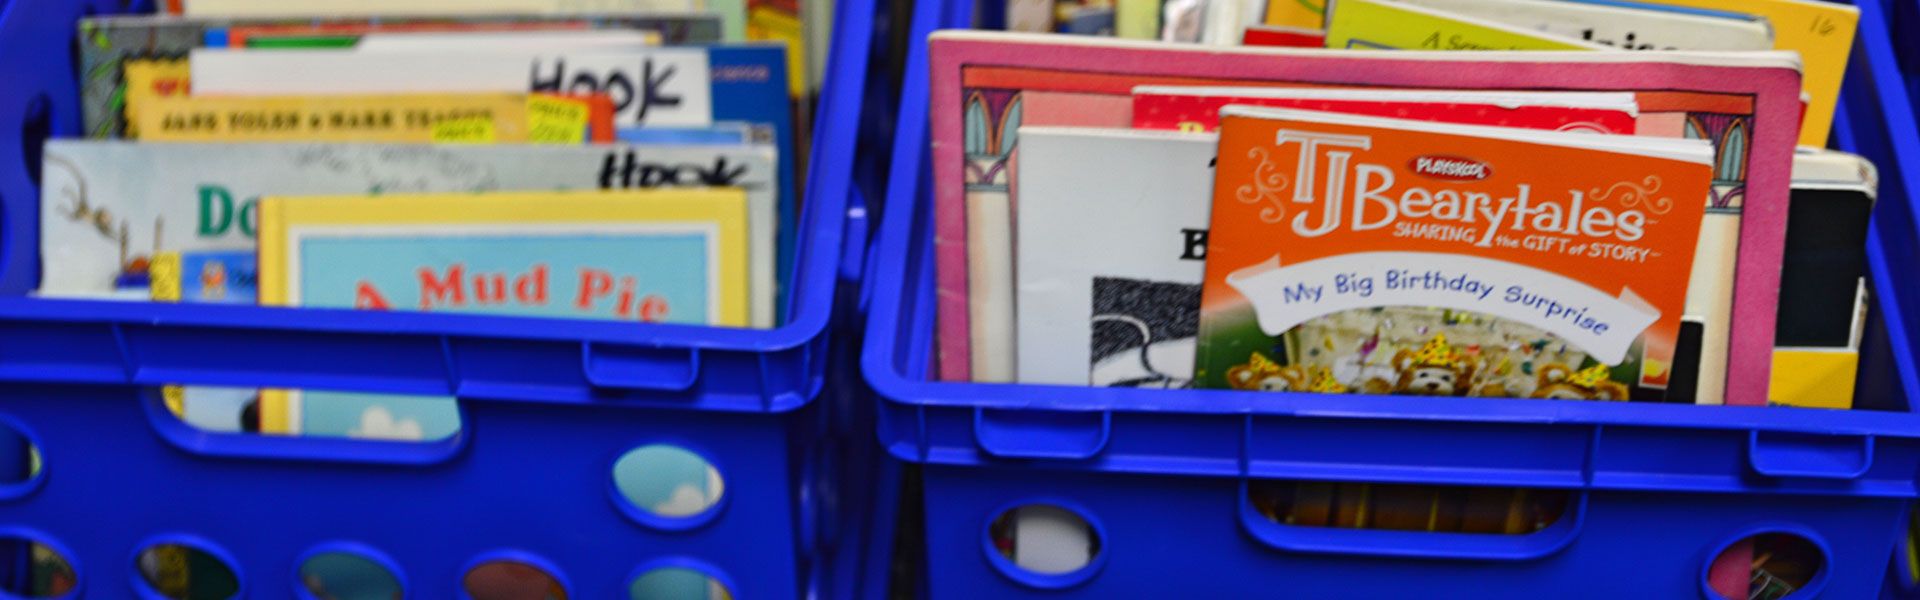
(556, 120)
(1813, 378)
(150, 78)
(1822, 32)
(471, 130)
(163, 277)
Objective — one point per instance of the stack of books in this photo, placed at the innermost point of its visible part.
(1528, 199)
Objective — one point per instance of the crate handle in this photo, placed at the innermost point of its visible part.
(1790, 454)
(1414, 544)
(637, 368)
(1054, 434)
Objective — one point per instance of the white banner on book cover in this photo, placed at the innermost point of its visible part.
(1284, 296)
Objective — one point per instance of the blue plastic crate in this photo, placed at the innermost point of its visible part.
(547, 406)
(1162, 477)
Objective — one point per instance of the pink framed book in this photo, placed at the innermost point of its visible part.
(988, 84)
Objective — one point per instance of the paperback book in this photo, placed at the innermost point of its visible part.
(1198, 108)
(1823, 282)
(660, 256)
(666, 86)
(111, 45)
(398, 118)
(109, 208)
(1554, 283)
(1392, 25)
(986, 85)
(1624, 26)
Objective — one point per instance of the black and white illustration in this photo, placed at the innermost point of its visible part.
(1143, 333)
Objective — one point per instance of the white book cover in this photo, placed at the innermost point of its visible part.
(1111, 258)
(1617, 26)
(410, 8)
(497, 41)
(660, 86)
(108, 207)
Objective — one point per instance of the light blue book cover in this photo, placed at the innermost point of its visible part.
(549, 276)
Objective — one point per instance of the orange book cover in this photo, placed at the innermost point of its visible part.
(1398, 257)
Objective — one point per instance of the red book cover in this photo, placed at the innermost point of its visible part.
(1284, 37)
(1198, 108)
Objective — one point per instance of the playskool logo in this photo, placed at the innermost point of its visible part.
(1450, 168)
(1377, 203)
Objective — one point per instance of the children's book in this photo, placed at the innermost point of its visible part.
(1619, 26)
(1285, 37)
(417, 8)
(1392, 25)
(109, 208)
(666, 86)
(1296, 13)
(1555, 283)
(673, 29)
(1137, 19)
(1822, 32)
(497, 41)
(110, 45)
(1823, 282)
(987, 84)
(420, 118)
(1115, 305)
(659, 256)
(1198, 108)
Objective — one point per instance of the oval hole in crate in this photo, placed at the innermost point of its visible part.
(310, 413)
(667, 486)
(504, 579)
(22, 466)
(346, 575)
(678, 583)
(50, 574)
(1405, 507)
(180, 571)
(1771, 565)
(1044, 544)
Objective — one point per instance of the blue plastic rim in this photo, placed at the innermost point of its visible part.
(1659, 484)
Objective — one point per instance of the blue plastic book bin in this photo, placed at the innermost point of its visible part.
(1161, 478)
(549, 410)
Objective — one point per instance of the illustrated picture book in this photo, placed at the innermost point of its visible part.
(986, 85)
(1556, 283)
(109, 208)
(111, 45)
(666, 86)
(661, 256)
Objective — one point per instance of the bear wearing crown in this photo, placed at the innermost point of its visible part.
(1262, 374)
(1438, 369)
(1559, 382)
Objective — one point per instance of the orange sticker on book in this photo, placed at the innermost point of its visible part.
(1447, 260)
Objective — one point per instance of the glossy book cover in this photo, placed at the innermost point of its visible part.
(1554, 282)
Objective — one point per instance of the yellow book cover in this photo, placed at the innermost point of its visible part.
(1386, 25)
(151, 78)
(1310, 14)
(1822, 32)
(666, 256)
(398, 118)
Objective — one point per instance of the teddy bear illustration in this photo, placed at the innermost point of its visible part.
(1262, 374)
(1437, 369)
(1559, 382)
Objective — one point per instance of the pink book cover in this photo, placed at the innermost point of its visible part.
(988, 84)
(1198, 109)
